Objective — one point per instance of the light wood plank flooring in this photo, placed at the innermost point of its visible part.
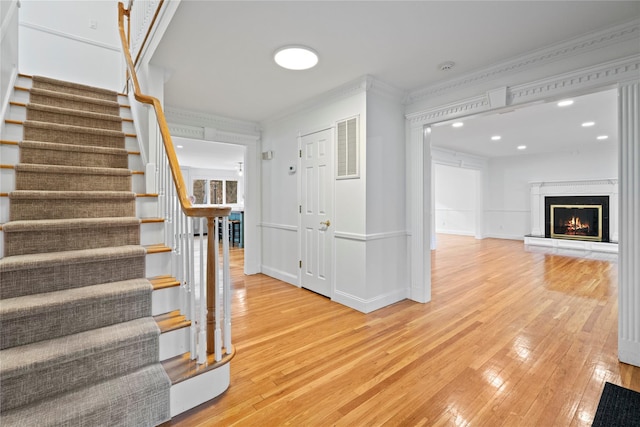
(510, 338)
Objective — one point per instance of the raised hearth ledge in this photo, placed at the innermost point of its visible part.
(578, 248)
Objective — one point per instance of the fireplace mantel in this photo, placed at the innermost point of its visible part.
(600, 187)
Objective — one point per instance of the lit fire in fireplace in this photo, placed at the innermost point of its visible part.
(576, 227)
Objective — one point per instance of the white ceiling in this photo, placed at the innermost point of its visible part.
(226, 48)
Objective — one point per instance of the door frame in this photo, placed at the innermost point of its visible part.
(331, 186)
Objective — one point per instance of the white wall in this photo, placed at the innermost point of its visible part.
(370, 262)
(279, 188)
(56, 40)
(507, 202)
(455, 200)
(8, 52)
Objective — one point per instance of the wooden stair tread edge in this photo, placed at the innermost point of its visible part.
(164, 282)
(7, 142)
(150, 220)
(181, 368)
(171, 321)
(157, 248)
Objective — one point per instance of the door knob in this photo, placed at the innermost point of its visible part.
(325, 223)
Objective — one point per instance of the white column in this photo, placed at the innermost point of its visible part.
(629, 242)
(537, 224)
(419, 198)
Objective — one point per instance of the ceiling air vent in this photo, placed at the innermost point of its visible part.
(348, 148)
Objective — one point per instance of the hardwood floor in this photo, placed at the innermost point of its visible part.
(510, 338)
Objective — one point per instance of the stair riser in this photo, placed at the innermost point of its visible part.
(158, 265)
(45, 241)
(73, 120)
(54, 278)
(174, 343)
(19, 112)
(60, 321)
(43, 181)
(151, 233)
(73, 104)
(64, 136)
(165, 300)
(145, 207)
(15, 132)
(62, 377)
(28, 209)
(74, 91)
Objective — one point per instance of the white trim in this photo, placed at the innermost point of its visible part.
(275, 226)
(372, 304)
(369, 237)
(193, 119)
(68, 36)
(629, 351)
(199, 389)
(281, 275)
(7, 19)
(504, 236)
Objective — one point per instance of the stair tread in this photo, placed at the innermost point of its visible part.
(28, 305)
(181, 368)
(35, 194)
(108, 398)
(171, 321)
(52, 224)
(73, 112)
(63, 169)
(30, 261)
(72, 147)
(163, 282)
(19, 360)
(44, 79)
(70, 96)
(71, 128)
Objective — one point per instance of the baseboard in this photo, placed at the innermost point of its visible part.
(629, 352)
(456, 232)
(369, 305)
(280, 275)
(504, 236)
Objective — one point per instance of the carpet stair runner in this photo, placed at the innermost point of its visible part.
(78, 345)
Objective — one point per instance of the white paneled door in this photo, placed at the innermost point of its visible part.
(317, 211)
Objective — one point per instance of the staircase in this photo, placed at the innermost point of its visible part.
(78, 341)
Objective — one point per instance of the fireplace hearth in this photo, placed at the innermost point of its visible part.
(577, 218)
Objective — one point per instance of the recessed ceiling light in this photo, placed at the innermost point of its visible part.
(180, 146)
(601, 137)
(296, 57)
(496, 138)
(587, 124)
(522, 147)
(457, 124)
(565, 103)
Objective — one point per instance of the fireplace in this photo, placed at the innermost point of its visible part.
(577, 218)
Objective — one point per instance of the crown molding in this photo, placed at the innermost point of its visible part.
(184, 131)
(579, 81)
(608, 73)
(205, 120)
(536, 58)
(384, 89)
(465, 107)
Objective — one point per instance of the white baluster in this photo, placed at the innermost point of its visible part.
(226, 289)
(202, 336)
(218, 331)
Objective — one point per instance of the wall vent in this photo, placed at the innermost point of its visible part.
(348, 148)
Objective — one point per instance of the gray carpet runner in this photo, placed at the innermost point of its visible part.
(78, 344)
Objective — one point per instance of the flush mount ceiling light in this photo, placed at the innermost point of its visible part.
(457, 124)
(296, 57)
(496, 138)
(602, 137)
(588, 124)
(522, 147)
(565, 103)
